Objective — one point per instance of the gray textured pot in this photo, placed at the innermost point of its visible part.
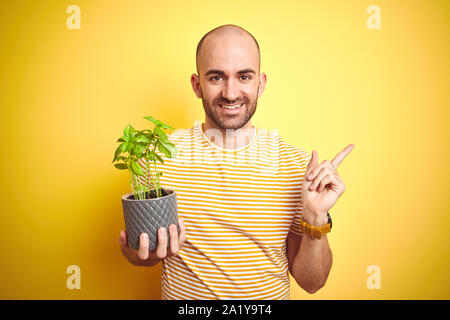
(148, 216)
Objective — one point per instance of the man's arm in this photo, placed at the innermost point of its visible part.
(309, 261)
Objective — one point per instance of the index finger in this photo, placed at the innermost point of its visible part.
(123, 239)
(312, 162)
(341, 155)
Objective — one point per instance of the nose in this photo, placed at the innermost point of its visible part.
(230, 90)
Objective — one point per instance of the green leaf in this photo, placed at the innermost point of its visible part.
(116, 154)
(120, 140)
(132, 137)
(163, 149)
(152, 120)
(149, 137)
(130, 146)
(170, 144)
(127, 132)
(159, 158)
(170, 147)
(142, 139)
(165, 126)
(148, 134)
(158, 123)
(121, 166)
(161, 134)
(123, 147)
(139, 149)
(136, 168)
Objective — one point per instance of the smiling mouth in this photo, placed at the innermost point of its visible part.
(231, 107)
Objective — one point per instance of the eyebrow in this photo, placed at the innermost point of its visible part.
(215, 71)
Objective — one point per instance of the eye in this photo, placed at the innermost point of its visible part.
(212, 78)
(247, 77)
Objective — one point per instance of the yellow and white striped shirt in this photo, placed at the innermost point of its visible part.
(238, 207)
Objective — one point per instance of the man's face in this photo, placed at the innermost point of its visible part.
(229, 80)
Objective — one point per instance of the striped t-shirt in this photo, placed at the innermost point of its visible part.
(238, 207)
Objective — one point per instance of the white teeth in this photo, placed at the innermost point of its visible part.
(232, 107)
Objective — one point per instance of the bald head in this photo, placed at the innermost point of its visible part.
(228, 33)
(229, 81)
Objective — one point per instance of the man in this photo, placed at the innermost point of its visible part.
(246, 211)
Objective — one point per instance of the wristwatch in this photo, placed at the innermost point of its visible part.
(313, 231)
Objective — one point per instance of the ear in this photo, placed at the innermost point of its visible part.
(262, 83)
(195, 82)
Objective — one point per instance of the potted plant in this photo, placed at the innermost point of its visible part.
(149, 206)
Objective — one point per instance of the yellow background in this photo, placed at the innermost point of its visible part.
(66, 95)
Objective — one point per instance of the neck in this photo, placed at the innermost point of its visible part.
(229, 138)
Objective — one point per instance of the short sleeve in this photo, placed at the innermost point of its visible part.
(295, 225)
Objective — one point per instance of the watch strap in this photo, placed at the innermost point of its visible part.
(316, 232)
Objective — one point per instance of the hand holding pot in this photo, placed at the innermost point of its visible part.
(144, 257)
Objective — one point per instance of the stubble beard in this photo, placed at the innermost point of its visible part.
(236, 123)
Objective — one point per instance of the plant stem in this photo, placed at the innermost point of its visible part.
(138, 187)
(158, 190)
(132, 183)
(147, 173)
(158, 186)
(153, 182)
